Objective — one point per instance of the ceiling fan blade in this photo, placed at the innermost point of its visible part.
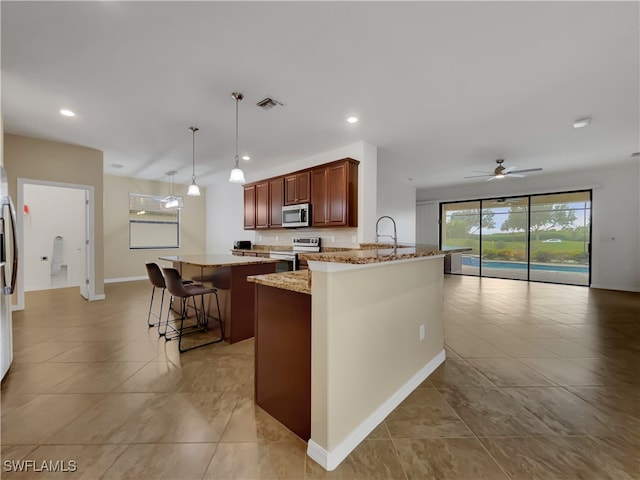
(478, 176)
(516, 175)
(527, 170)
(492, 177)
(510, 169)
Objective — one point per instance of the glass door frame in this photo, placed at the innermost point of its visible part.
(528, 232)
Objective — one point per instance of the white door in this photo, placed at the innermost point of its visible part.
(84, 285)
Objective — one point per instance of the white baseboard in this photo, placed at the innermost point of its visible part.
(329, 460)
(97, 297)
(125, 279)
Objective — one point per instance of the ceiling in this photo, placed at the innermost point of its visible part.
(442, 88)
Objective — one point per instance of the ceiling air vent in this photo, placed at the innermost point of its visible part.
(268, 103)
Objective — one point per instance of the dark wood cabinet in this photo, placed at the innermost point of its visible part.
(334, 194)
(297, 187)
(276, 198)
(249, 207)
(262, 204)
(331, 189)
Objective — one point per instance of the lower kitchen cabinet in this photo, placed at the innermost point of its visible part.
(283, 357)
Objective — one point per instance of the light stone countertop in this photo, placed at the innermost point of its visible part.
(216, 260)
(296, 281)
(378, 253)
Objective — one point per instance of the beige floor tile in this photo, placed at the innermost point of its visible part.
(371, 460)
(154, 377)
(563, 371)
(171, 461)
(425, 414)
(473, 347)
(116, 418)
(564, 347)
(612, 400)
(258, 461)
(491, 412)
(447, 459)
(566, 458)
(506, 372)
(457, 373)
(98, 378)
(250, 423)
(43, 416)
(187, 418)
(14, 452)
(43, 351)
(88, 352)
(39, 377)
(518, 347)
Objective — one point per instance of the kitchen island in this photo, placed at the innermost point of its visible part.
(376, 333)
(227, 273)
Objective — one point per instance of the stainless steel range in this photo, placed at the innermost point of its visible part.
(289, 258)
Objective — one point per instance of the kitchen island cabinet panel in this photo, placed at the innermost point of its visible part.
(283, 356)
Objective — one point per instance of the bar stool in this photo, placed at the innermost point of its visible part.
(157, 282)
(185, 292)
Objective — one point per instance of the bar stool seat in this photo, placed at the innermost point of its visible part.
(178, 289)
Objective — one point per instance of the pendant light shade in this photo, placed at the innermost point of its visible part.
(194, 190)
(172, 201)
(237, 175)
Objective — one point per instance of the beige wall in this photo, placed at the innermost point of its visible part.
(36, 159)
(365, 340)
(120, 261)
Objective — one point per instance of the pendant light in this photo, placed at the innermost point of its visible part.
(194, 190)
(172, 202)
(237, 175)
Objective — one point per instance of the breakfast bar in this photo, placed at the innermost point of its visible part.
(369, 330)
(227, 273)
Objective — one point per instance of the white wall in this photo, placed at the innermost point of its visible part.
(225, 201)
(427, 214)
(615, 215)
(397, 200)
(53, 211)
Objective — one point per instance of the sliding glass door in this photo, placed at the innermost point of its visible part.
(561, 238)
(544, 238)
(504, 238)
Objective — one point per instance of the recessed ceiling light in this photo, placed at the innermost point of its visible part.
(116, 165)
(246, 157)
(67, 113)
(352, 119)
(582, 122)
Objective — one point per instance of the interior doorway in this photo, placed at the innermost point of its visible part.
(55, 237)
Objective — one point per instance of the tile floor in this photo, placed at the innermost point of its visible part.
(540, 382)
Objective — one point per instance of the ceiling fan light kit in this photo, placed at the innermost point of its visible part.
(582, 122)
(501, 172)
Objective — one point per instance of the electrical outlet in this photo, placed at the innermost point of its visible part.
(422, 332)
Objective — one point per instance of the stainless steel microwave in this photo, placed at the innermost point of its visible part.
(294, 216)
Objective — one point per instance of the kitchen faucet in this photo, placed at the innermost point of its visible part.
(394, 236)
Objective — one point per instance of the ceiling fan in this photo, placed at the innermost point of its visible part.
(502, 171)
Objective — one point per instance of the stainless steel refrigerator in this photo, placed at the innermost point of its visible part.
(8, 272)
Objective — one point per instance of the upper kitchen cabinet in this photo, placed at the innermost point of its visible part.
(263, 204)
(297, 188)
(276, 197)
(249, 207)
(334, 194)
